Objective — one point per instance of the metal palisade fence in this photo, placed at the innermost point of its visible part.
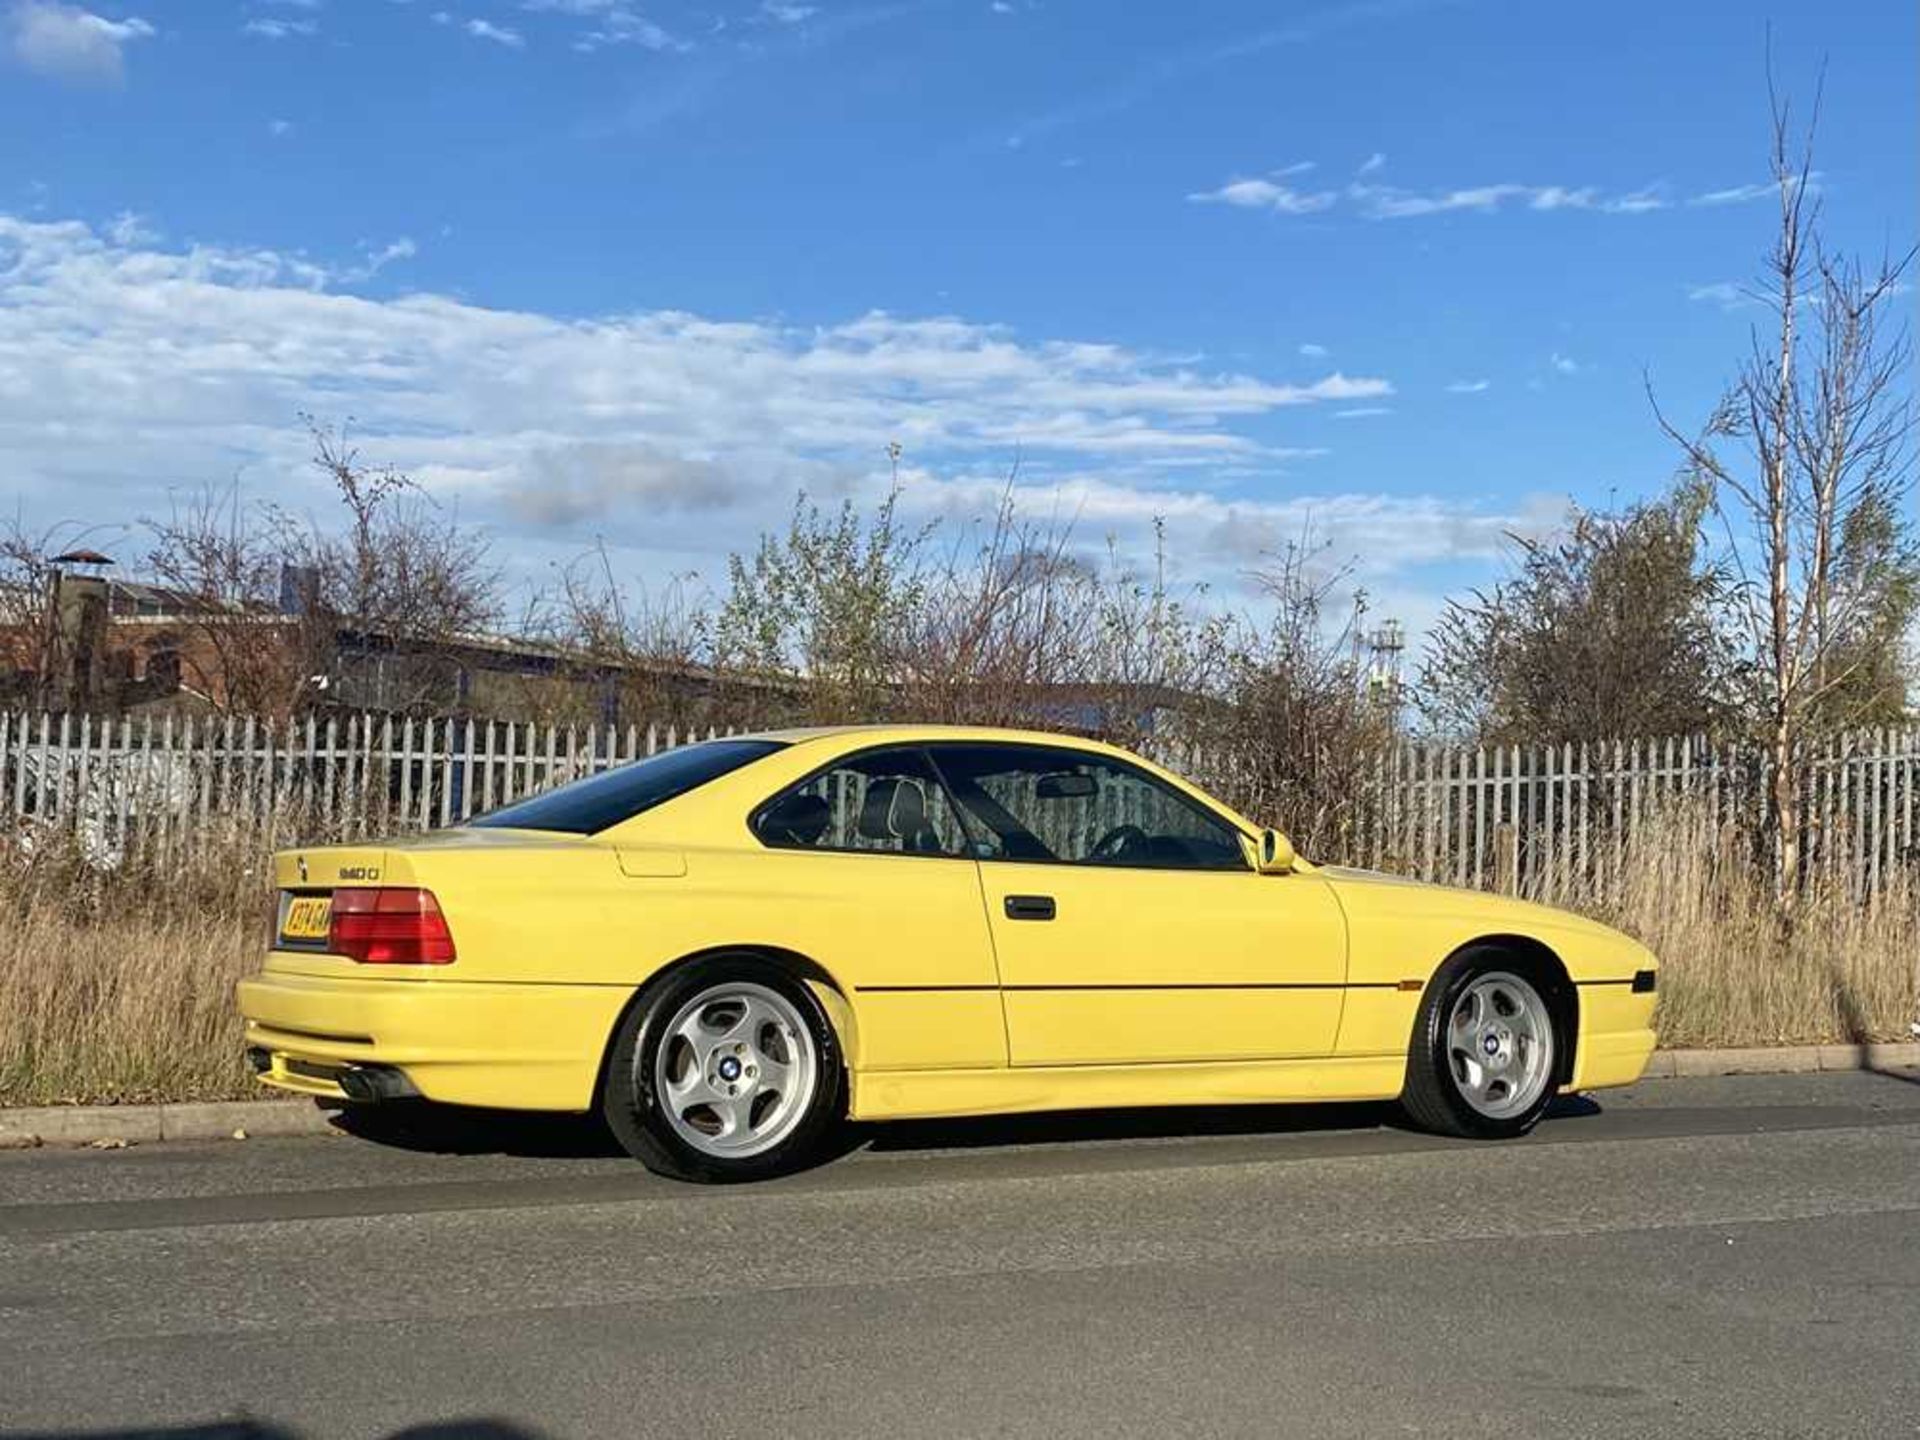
(121, 784)
(1551, 820)
(1541, 819)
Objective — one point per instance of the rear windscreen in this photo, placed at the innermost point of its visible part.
(590, 805)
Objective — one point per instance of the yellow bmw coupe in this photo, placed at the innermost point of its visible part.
(732, 947)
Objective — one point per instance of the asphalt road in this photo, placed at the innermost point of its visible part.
(1727, 1257)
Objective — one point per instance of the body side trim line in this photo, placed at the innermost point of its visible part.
(1226, 985)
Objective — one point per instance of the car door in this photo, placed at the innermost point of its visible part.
(1127, 923)
(872, 875)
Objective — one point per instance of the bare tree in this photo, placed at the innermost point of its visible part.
(1290, 733)
(1811, 470)
(282, 612)
(1005, 610)
(221, 559)
(630, 650)
(402, 582)
(30, 638)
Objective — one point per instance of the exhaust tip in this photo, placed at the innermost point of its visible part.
(370, 1084)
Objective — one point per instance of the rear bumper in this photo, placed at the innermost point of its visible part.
(521, 1047)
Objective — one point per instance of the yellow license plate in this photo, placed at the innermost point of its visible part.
(308, 918)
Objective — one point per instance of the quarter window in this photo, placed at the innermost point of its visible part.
(590, 805)
(1066, 806)
(883, 802)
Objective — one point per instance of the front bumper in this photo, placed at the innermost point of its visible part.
(514, 1046)
(1616, 1036)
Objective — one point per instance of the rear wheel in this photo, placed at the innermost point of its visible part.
(727, 1069)
(1484, 1050)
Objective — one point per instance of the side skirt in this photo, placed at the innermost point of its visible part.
(920, 1094)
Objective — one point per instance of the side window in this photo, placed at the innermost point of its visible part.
(1066, 806)
(884, 802)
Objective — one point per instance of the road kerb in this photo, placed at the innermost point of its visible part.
(79, 1125)
(1659, 1066)
(1768, 1060)
(115, 1125)
(219, 1120)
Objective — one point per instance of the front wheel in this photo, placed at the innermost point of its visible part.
(1483, 1056)
(725, 1070)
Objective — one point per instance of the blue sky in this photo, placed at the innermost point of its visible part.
(597, 269)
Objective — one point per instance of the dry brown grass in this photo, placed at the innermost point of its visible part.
(119, 987)
(1840, 969)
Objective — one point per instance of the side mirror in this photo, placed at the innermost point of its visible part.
(1274, 855)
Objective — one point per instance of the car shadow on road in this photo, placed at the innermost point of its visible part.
(475, 1428)
(428, 1128)
(1157, 1123)
(460, 1130)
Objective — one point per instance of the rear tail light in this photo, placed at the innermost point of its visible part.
(389, 926)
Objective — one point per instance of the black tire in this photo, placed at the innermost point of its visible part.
(633, 1110)
(1433, 1096)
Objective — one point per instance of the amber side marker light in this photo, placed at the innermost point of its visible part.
(389, 925)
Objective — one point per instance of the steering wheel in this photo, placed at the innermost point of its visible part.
(1119, 842)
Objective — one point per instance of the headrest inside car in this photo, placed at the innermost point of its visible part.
(895, 809)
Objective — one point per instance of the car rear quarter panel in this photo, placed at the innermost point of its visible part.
(902, 937)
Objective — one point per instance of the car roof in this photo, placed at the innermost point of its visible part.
(722, 803)
(916, 733)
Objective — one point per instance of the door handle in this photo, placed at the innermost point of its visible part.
(1029, 907)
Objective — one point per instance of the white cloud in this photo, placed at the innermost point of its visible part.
(243, 320)
(785, 12)
(69, 43)
(1558, 197)
(1564, 364)
(617, 24)
(499, 34)
(1721, 292)
(1313, 351)
(129, 229)
(614, 23)
(1762, 190)
(1363, 412)
(1385, 202)
(279, 127)
(189, 364)
(1638, 202)
(1468, 387)
(1001, 7)
(1219, 537)
(377, 259)
(1266, 195)
(274, 28)
(1388, 202)
(585, 482)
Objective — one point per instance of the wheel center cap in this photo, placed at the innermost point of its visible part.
(1491, 1044)
(729, 1068)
